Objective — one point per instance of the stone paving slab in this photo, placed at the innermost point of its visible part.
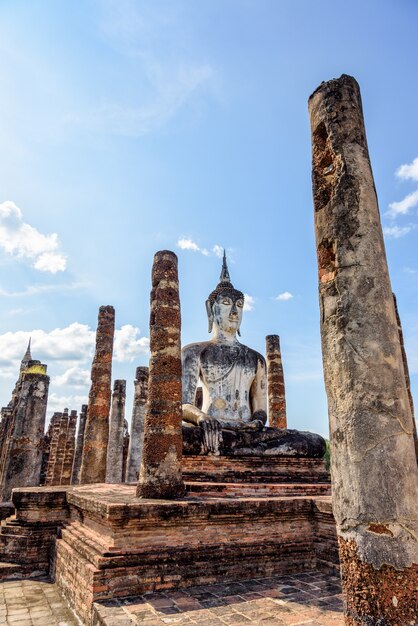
(308, 599)
(33, 602)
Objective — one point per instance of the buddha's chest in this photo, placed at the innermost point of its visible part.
(229, 370)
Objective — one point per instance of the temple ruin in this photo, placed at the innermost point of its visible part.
(211, 486)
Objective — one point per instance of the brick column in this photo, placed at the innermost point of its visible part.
(160, 475)
(75, 476)
(96, 433)
(374, 477)
(136, 441)
(114, 469)
(60, 449)
(275, 383)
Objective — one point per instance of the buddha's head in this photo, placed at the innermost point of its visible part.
(225, 304)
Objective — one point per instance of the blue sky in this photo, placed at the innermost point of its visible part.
(127, 127)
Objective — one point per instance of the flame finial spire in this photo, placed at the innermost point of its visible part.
(224, 277)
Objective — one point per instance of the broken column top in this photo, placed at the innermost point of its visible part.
(142, 372)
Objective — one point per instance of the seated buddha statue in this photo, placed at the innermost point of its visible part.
(233, 416)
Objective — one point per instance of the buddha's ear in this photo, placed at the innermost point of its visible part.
(209, 314)
(239, 332)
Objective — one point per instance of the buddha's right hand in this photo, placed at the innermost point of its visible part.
(212, 433)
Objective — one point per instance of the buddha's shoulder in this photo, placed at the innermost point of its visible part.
(253, 354)
(194, 349)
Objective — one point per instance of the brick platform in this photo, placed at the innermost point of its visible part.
(112, 544)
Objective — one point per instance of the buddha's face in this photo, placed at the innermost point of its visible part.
(227, 312)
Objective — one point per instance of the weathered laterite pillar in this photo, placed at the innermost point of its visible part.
(96, 433)
(75, 476)
(53, 436)
(407, 377)
(126, 438)
(275, 383)
(25, 444)
(114, 471)
(136, 441)
(374, 472)
(68, 459)
(60, 449)
(160, 475)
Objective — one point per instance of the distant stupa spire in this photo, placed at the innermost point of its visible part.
(27, 355)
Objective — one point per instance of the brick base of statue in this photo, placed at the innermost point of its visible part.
(230, 526)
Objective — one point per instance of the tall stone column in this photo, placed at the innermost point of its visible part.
(136, 441)
(374, 473)
(160, 475)
(53, 435)
(24, 458)
(407, 376)
(60, 449)
(114, 471)
(275, 383)
(96, 433)
(75, 476)
(68, 459)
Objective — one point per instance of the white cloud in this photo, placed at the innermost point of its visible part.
(248, 302)
(74, 377)
(70, 346)
(128, 344)
(396, 231)
(408, 172)
(403, 206)
(410, 270)
(286, 295)
(57, 403)
(23, 241)
(185, 243)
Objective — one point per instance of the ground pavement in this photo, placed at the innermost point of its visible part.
(308, 599)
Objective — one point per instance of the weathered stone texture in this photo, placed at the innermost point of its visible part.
(51, 445)
(136, 441)
(21, 454)
(58, 459)
(407, 376)
(275, 383)
(114, 471)
(160, 474)
(96, 433)
(75, 477)
(371, 431)
(67, 465)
